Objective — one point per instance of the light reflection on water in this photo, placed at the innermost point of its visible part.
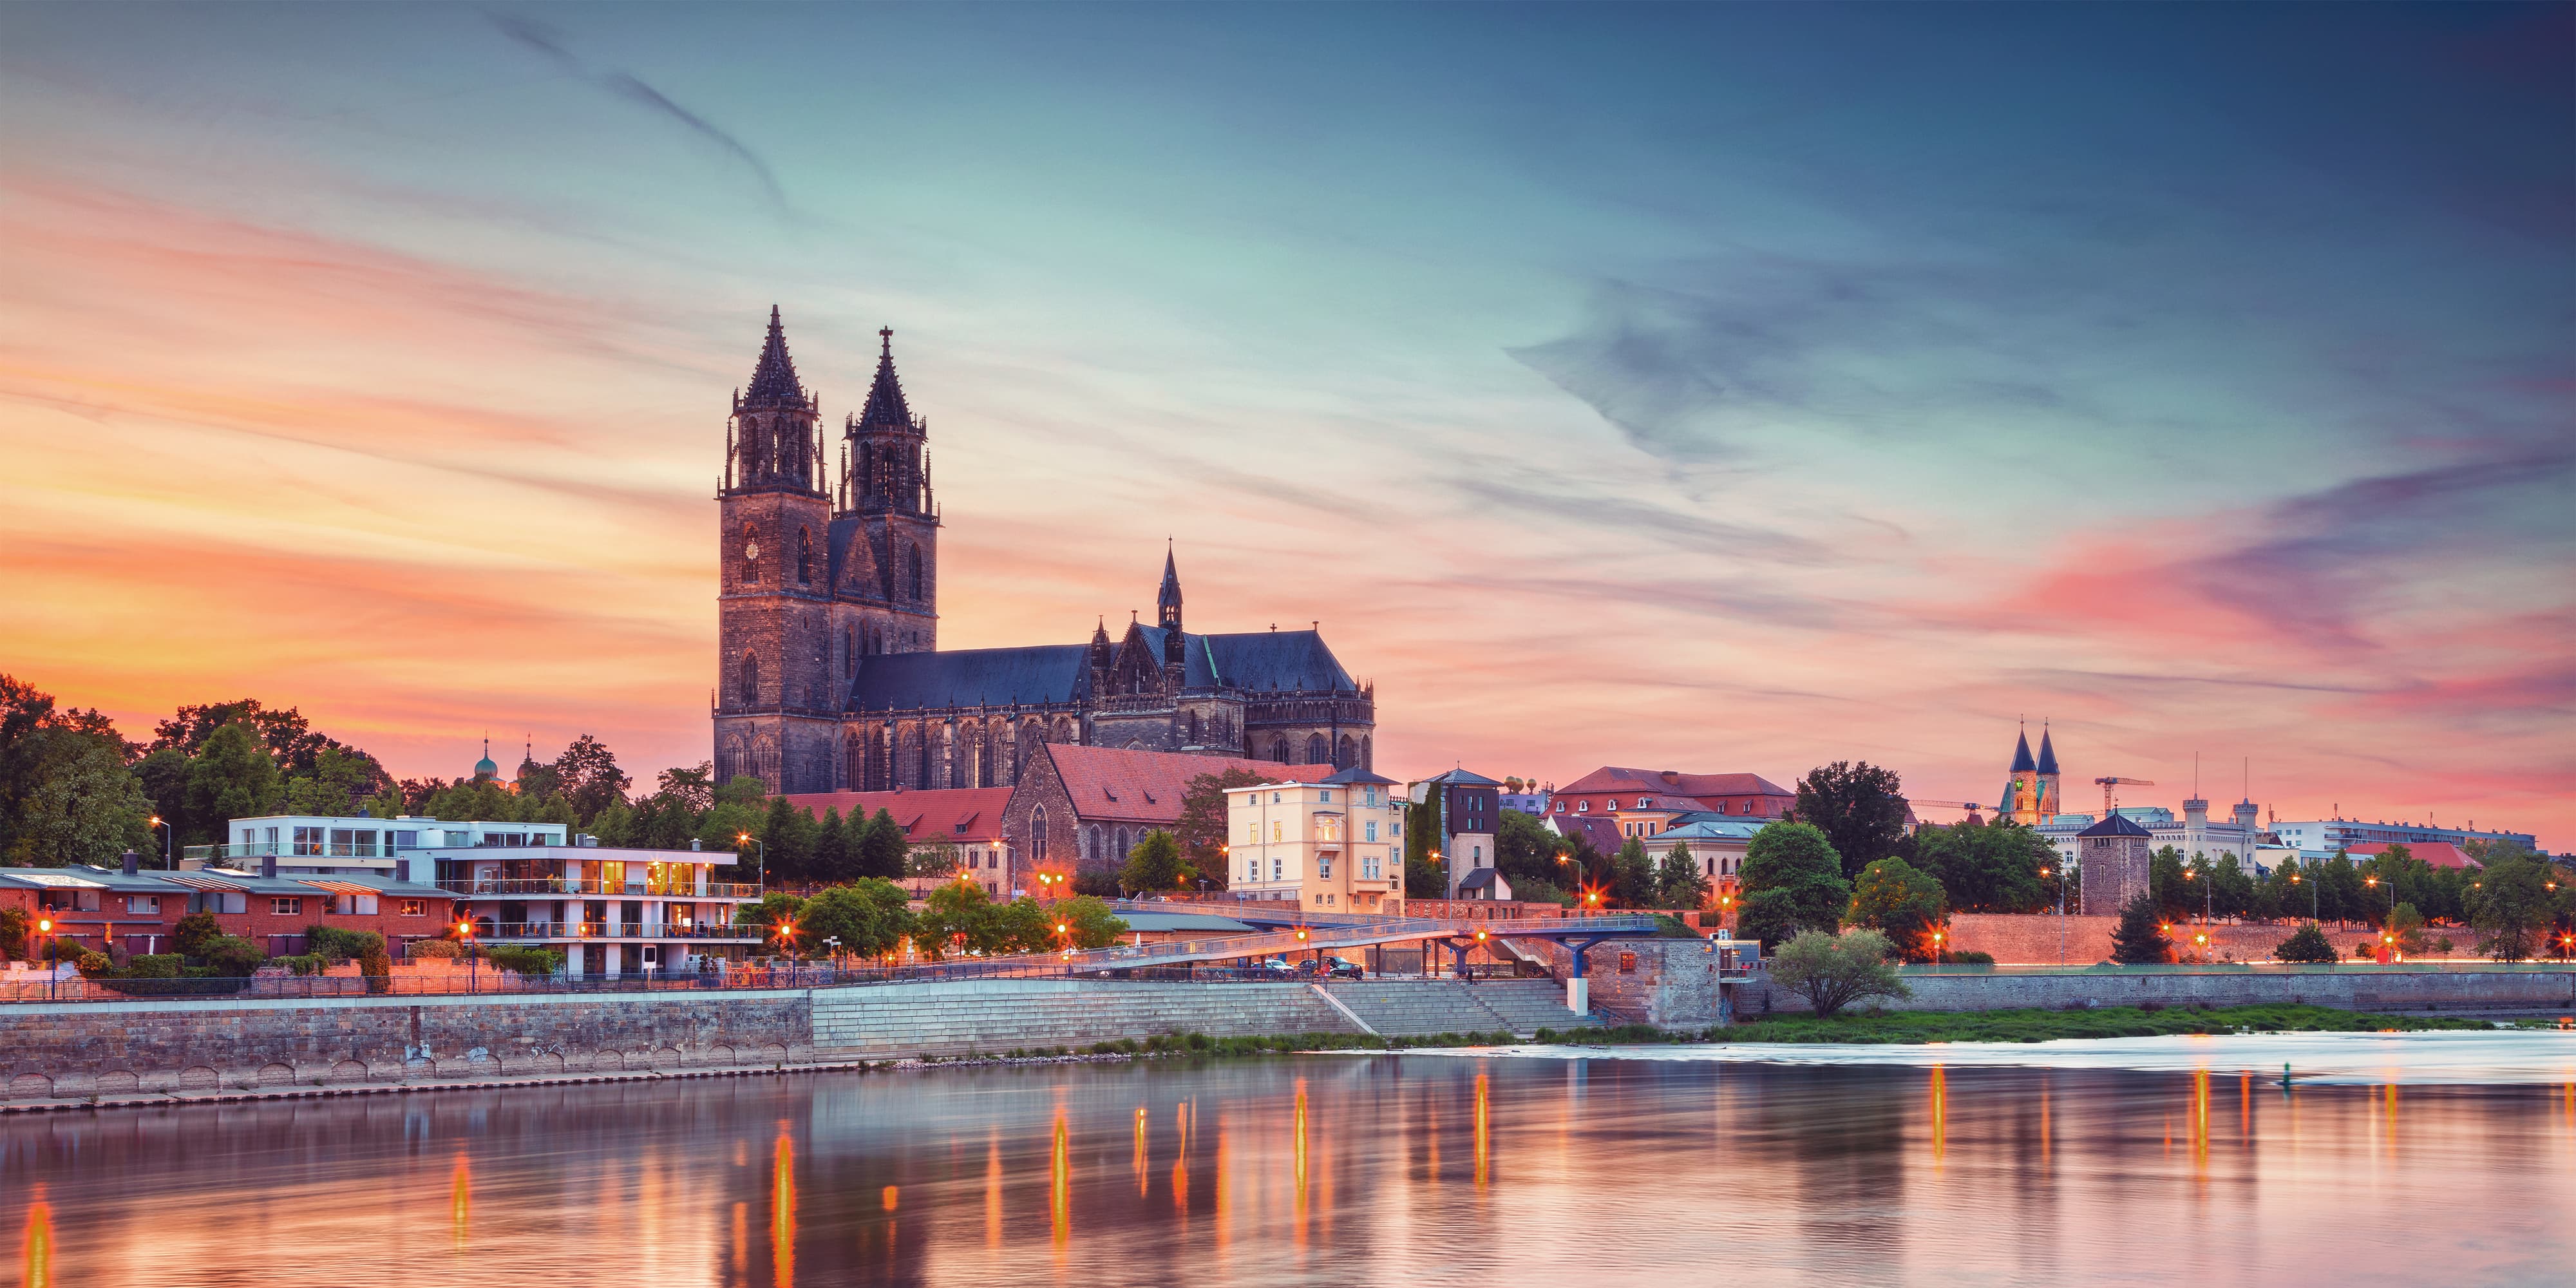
(1332, 1169)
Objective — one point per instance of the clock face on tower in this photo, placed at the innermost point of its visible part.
(751, 550)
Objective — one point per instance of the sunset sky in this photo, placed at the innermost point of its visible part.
(1710, 389)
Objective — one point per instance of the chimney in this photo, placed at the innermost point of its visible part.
(696, 844)
(133, 863)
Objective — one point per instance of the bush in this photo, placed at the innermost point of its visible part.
(1834, 971)
(339, 945)
(95, 965)
(196, 933)
(378, 969)
(13, 934)
(154, 966)
(1971, 957)
(233, 956)
(427, 949)
(305, 963)
(526, 961)
(2306, 944)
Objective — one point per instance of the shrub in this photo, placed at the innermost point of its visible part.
(377, 967)
(425, 949)
(1971, 957)
(196, 933)
(95, 965)
(305, 963)
(13, 933)
(339, 945)
(234, 956)
(154, 966)
(1834, 971)
(2306, 944)
(526, 961)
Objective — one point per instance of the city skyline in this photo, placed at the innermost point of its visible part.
(1709, 390)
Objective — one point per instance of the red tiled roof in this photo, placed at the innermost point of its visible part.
(1146, 786)
(1611, 778)
(2441, 854)
(1601, 829)
(925, 816)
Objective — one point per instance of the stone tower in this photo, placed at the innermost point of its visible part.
(2021, 790)
(2112, 855)
(885, 488)
(2048, 776)
(774, 700)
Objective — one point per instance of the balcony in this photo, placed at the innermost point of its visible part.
(519, 887)
(579, 932)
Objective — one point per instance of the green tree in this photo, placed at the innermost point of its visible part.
(194, 933)
(1833, 971)
(958, 918)
(2407, 925)
(2511, 905)
(1679, 883)
(1792, 881)
(1526, 852)
(76, 802)
(1632, 876)
(1900, 901)
(2139, 940)
(2306, 944)
(13, 934)
(587, 775)
(883, 848)
(1861, 809)
(230, 777)
(833, 860)
(1201, 827)
(869, 917)
(1989, 867)
(2175, 897)
(341, 778)
(1087, 922)
(1424, 876)
(776, 907)
(1024, 926)
(789, 833)
(1155, 863)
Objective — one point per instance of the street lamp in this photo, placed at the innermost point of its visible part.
(740, 837)
(169, 844)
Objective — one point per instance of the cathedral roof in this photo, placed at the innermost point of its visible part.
(995, 677)
(1266, 660)
(773, 378)
(2022, 763)
(886, 409)
(2047, 753)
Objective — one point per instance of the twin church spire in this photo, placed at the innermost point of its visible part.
(774, 445)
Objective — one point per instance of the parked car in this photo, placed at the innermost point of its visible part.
(1277, 967)
(1343, 968)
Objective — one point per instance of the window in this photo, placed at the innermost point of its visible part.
(1278, 831)
(1324, 798)
(415, 907)
(749, 684)
(1324, 869)
(1372, 830)
(804, 555)
(143, 905)
(1627, 963)
(1274, 798)
(1642, 802)
(1560, 807)
(309, 840)
(354, 905)
(916, 574)
(1583, 807)
(750, 553)
(286, 907)
(1278, 869)
(1037, 835)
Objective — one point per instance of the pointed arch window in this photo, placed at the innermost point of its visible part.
(1317, 750)
(750, 679)
(804, 556)
(913, 554)
(849, 652)
(1037, 835)
(750, 553)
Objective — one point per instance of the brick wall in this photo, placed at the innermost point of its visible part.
(2032, 939)
(77, 1048)
(2350, 989)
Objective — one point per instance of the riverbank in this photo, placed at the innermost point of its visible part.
(2045, 1026)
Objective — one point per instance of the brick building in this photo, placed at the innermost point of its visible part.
(1082, 808)
(829, 672)
(1646, 801)
(140, 911)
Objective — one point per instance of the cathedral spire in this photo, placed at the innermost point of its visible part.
(2047, 752)
(773, 378)
(1167, 604)
(886, 410)
(2022, 763)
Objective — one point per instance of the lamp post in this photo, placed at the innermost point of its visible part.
(740, 837)
(169, 844)
(44, 931)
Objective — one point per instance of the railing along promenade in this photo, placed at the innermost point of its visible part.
(512, 886)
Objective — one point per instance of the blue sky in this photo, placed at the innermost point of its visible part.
(1710, 388)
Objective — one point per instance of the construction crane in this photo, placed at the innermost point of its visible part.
(1917, 800)
(2109, 783)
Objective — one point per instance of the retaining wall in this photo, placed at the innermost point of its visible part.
(2031, 939)
(85, 1048)
(2358, 990)
(997, 1015)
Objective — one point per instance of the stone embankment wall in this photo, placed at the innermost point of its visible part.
(86, 1048)
(997, 1015)
(2348, 989)
(2031, 939)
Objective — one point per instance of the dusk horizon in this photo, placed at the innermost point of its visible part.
(1714, 390)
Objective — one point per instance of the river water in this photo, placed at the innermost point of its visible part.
(2411, 1159)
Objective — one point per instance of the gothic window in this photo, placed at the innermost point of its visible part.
(750, 553)
(1037, 835)
(1194, 728)
(750, 679)
(1279, 750)
(1347, 754)
(1364, 753)
(849, 652)
(1317, 750)
(914, 556)
(804, 555)
(857, 776)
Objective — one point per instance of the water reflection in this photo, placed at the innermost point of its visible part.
(1429, 1169)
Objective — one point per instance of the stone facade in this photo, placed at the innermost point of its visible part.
(2113, 856)
(829, 674)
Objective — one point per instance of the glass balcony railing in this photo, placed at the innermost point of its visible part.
(575, 932)
(508, 887)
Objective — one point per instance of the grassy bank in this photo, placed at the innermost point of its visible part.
(2034, 1025)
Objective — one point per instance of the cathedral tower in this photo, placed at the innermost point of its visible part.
(885, 489)
(774, 699)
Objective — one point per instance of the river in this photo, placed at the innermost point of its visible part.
(2409, 1159)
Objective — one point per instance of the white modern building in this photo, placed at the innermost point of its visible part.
(2325, 836)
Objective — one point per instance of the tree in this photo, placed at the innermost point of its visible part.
(2140, 939)
(2511, 905)
(1424, 876)
(1792, 882)
(2175, 897)
(230, 777)
(1525, 852)
(1860, 807)
(1155, 863)
(833, 860)
(2306, 944)
(588, 776)
(1679, 883)
(694, 788)
(2407, 926)
(1088, 922)
(76, 802)
(13, 934)
(341, 779)
(1833, 971)
(883, 847)
(1201, 827)
(1988, 867)
(1900, 901)
(870, 917)
(789, 834)
(289, 738)
(194, 933)
(958, 917)
(1632, 876)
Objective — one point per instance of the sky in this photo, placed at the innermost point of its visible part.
(1717, 389)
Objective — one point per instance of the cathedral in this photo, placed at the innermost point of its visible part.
(2030, 794)
(829, 671)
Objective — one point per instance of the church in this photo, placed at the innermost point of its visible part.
(829, 672)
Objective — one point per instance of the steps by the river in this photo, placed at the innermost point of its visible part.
(1414, 1007)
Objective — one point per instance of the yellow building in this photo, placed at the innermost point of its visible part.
(1330, 846)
